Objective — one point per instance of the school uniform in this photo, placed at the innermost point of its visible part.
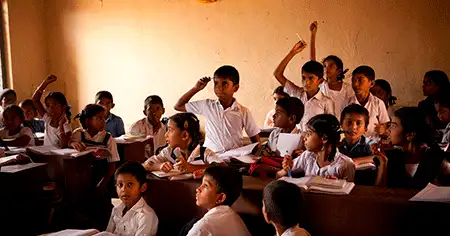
(295, 231)
(144, 126)
(114, 125)
(269, 119)
(36, 125)
(220, 221)
(359, 149)
(52, 135)
(102, 139)
(24, 131)
(139, 220)
(377, 113)
(273, 138)
(427, 108)
(341, 167)
(224, 126)
(340, 97)
(318, 104)
(446, 137)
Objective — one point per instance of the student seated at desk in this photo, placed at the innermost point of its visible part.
(36, 125)
(114, 124)
(14, 130)
(7, 97)
(221, 186)
(442, 105)
(225, 117)
(322, 157)
(133, 216)
(282, 203)
(278, 94)
(183, 135)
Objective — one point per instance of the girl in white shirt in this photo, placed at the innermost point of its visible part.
(14, 133)
(185, 151)
(278, 94)
(322, 157)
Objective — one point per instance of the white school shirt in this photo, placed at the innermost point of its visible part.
(111, 145)
(219, 221)
(24, 131)
(273, 138)
(377, 113)
(52, 135)
(340, 97)
(269, 119)
(139, 220)
(319, 104)
(224, 127)
(295, 231)
(341, 167)
(165, 155)
(446, 137)
(144, 126)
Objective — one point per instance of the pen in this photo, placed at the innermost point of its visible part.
(289, 169)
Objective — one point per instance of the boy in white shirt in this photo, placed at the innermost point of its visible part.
(312, 74)
(221, 186)
(225, 117)
(133, 216)
(282, 208)
(14, 133)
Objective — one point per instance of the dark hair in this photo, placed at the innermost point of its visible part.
(153, 99)
(103, 94)
(17, 110)
(367, 71)
(383, 84)
(292, 106)
(339, 64)
(189, 122)
(443, 99)
(88, 112)
(414, 121)
(283, 202)
(327, 125)
(228, 72)
(440, 78)
(135, 169)
(314, 68)
(280, 91)
(355, 109)
(61, 99)
(28, 103)
(227, 180)
(7, 92)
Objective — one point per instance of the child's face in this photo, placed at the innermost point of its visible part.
(174, 136)
(29, 113)
(224, 88)
(277, 97)
(396, 131)
(429, 88)
(11, 120)
(354, 126)
(380, 93)
(128, 189)
(281, 118)
(331, 70)
(443, 113)
(53, 108)
(311, 81)
(313, 142)
(154, 112)
(98, 122)
(206, 194)
(361, 84)
(106, 103)
(7, 100)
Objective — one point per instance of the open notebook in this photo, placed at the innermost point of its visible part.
(319, 184)
(433, 193)
(242, 154)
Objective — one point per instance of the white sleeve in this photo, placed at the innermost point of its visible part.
(383, 115)
(76, 136)
(300, 162)
(147, 224)
(293, 90)
(135, 128)
(273, 139)
(112, 147)
(162, 156)
(199, 229)
(197, 107)
(46, 118)
(329, 107)
(111, 225)
(347, 171)
(251, 128)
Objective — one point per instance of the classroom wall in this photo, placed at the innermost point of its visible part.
(137, 48)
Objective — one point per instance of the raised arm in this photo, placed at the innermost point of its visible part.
(279, 71)
(38, 94)
(313, 28)
(200, 85)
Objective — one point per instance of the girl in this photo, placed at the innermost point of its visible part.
(14, 133)
(322, 157)
(184, 139)
(334, 87)
(56, 115)
(382, 89)
(278, 94)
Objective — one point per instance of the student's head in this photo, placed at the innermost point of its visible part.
(288, 112)
(382, 89)
(312, 75)
(434, 82)
(442, 105)
(131, 182)
(8, 97)
(184, 131)
(354, 121)
(323, 132)
(226, 82)
(93, 117)
(409, 127)
(56, 105)
(363, 78)
(279, 93)
(221, 185)
(282, 202)
(105, 99)
(334, 68)
(154, 108)
(13, 117)
(28, 109)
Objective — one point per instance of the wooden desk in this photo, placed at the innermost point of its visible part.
(134, 151)
(366, 211)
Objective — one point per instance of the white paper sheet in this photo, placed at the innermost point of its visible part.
(433, 193)
(287, 143)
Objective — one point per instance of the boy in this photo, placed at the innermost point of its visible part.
(354, 122)
(114, 124)
(282, 206)
(363, 79)
(312, 74)
(225, 117)
(151, 124)
(442, 105)
(221, 186)
(36, 125)
(133, 216)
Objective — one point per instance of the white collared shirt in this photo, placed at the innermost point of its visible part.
(273, 138)
(139, 220)
(144, 126)
(341, 167)
(98, 138)
(24, 131)
(446, 137)
(295, 231)
(219, 221)
(319, 104)
(165, 156)
(268, 122)
(52, 135)
(340, 97)
(224, 127)
(377, 113)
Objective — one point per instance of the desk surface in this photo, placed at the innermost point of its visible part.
(17, 168)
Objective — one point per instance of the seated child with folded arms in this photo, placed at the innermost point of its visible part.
(282, 202)
(14, 133)
(220, 188)
(322, 157)
(133, 216)
(185, 150)
(114, 124)
(278, 94)
(36, 125)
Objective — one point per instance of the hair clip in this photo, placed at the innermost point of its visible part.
(186, 124)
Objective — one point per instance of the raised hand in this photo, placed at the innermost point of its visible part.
(201, 83)
(313, 27)
(50, 79)
(298, 47)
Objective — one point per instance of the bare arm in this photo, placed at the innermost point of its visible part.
(382, 171)
(37, 95)
(201, 84)
(255, 139)
(313, 28)
(279, 71)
